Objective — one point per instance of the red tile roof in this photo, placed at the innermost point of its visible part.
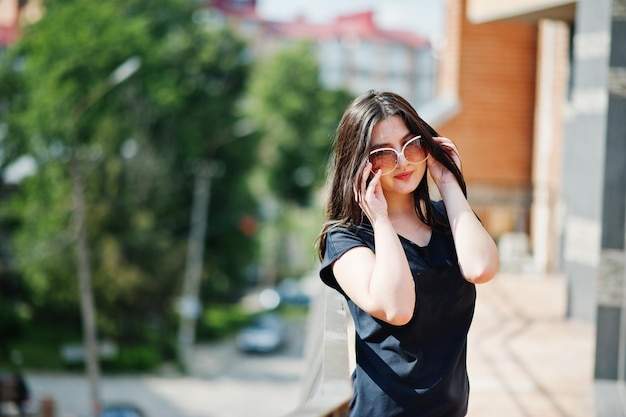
(361, 25)
(236, 7)
(8, 35)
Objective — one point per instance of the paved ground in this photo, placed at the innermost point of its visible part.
(223, 383)
(525, 358)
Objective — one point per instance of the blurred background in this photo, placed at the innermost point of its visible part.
(162, 186)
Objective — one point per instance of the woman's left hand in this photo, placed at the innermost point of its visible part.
(438, 171)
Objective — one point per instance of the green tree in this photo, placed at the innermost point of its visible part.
(68, 107)
(66, 79)
(296, 117)
(200, 79)
(139, 144)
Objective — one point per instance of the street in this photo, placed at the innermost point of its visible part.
(223, 383)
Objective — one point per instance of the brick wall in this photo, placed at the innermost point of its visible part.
(494, 128)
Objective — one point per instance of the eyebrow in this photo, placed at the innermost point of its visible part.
(408, 135)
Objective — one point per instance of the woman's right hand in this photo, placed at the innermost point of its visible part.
(380, 283)
(370, 195)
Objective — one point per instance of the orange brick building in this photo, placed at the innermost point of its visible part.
(501, 115)
(494, 127)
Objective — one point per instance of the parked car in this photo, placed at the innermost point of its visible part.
(121, 409)
(266, 334)
(291, 293)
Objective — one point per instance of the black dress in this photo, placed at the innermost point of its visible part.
(418, 369)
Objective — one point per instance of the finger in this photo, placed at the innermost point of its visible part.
(365, 180)
(375, 182)
(451, 150)
(367, 171)
(360, 184)
(450, 147)
(376, 178)
(445, 142)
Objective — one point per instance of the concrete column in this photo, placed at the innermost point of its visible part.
(552, 62)
(610, 361)
(584, 156)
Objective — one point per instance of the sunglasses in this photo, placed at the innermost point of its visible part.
(386, 159)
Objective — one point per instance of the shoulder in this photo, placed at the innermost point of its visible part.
(339, 240)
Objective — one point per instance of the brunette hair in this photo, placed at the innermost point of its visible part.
(351, 149)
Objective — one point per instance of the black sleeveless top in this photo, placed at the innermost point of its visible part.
(418, 369)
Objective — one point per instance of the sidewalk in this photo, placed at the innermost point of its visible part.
(525, 359)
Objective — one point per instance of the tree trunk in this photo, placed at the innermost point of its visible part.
(87, 304)
(189, 303)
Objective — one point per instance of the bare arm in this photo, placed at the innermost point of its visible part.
(381, 284)
(476, 251)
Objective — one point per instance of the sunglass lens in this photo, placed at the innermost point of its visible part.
(414, 152)
(383, 160)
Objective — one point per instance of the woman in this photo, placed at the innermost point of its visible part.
(406, 265)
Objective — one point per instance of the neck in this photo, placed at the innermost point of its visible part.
(406, 222)
(400, 205)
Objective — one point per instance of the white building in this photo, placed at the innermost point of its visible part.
(352, 51)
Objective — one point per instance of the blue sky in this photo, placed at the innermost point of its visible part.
(422, 16)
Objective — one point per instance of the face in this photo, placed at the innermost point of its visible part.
(409, 158)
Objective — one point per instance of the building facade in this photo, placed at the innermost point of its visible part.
(585, 116)
(487, 76)
(353, 52)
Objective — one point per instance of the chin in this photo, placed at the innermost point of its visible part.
(401, 188)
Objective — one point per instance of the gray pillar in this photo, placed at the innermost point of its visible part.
(610, 357)
(583, 156)
(594, 193)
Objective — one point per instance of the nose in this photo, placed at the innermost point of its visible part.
(402, 161)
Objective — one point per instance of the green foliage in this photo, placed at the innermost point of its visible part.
(220, 320)
(68, 57)
(138, 143)
(11, 324)
(40, 343)
(133, 358)
(41, 245)
(297, 117)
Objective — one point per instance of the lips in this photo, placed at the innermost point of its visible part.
(403, 176)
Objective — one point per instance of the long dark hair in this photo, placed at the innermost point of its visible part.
(351, 149)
